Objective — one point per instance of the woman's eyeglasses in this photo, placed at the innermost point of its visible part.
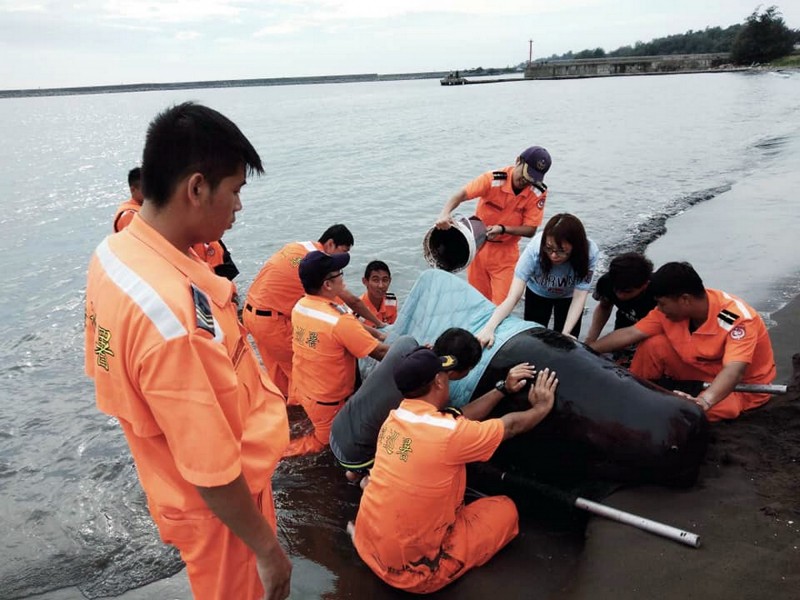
(556, 251)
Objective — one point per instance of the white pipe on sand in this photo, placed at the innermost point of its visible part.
(554, 493)
(673, 533)
(756, 388)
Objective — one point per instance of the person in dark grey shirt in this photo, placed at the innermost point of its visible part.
(626, 287)
(354, 433)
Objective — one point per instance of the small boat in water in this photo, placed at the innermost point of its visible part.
(453, 79)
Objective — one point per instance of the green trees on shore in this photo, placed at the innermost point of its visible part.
(763, 37)
(711, 39)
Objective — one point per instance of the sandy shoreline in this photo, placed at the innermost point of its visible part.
(745, 508)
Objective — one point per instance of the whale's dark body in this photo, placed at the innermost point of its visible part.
(605, 424)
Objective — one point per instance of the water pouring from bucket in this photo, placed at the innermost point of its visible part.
(454, 249)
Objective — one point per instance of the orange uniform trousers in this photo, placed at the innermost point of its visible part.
(273, 338)
(480, 530)
(492, 270)
(219, 564)
(321, 414)
(655, 358)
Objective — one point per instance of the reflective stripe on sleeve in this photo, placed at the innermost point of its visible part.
(142, 294)
(316, 314)
(740, 305)
(410, 417)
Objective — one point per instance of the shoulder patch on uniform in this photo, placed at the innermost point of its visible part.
(499, 178)
(202, 311)
(726, 319)
(452, 410)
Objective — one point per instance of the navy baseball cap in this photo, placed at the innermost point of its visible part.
(537, 163)
(316, 266)
(419, 367)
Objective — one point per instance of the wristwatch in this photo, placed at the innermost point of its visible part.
(500, 386)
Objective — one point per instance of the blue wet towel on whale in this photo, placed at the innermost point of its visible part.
(440, 300)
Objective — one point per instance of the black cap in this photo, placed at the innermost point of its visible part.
(419, 367)
(316, 266)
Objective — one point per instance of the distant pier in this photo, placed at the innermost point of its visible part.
(630, 65)
(667, 64)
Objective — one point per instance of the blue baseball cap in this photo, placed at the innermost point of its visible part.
(316, 266)
(537, 163)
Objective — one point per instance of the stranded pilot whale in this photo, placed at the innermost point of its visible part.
(605, 424)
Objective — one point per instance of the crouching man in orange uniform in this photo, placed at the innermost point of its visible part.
(171, 362)
(413, 529)
(695, 333)
(327, 340)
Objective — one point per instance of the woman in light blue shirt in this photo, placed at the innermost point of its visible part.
(555, 272)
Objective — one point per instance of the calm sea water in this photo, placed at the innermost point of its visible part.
(712, 158)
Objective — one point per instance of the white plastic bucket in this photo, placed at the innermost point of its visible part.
(454, 249)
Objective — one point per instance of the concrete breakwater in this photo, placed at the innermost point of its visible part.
(219, 83)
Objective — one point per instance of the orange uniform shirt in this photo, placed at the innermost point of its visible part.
(499, 205)
(277, 286)
(387, 311)
(171, 362)
(210, 253)
(733, 332)
(327, 339)
(417, 486)
(125, 213)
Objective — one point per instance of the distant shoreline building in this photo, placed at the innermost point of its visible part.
(628, 65)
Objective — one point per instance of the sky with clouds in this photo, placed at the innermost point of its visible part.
(55, 43)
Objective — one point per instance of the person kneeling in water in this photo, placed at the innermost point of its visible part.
(413, 529)
(354, 433)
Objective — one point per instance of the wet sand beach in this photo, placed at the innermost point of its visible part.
(744, 507)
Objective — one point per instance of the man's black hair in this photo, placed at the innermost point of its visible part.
(135, 177)
(461, 344)
(376, 265)
(340, 235)
(675, 279)
(192, 138)
(629, 271)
